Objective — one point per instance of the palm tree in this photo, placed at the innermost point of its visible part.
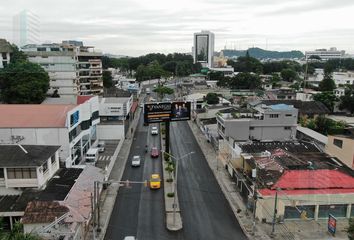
(16, 233)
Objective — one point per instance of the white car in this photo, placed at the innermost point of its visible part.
(136, 161)
(100, 146)
(154, 131)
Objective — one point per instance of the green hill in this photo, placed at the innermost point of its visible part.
(262, 54)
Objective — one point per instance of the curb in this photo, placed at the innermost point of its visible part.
(173, 218)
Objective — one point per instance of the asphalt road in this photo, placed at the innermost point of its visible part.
(139, 211)
(205, 211)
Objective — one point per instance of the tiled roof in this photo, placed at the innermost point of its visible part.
(314, 179)
(14, 156)
(83, 98)
(43, 212)
(33, 115)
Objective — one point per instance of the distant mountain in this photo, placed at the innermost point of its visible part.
(262, 54)
(115, 56)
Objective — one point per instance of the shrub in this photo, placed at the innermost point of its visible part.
(170, 194)
(169, 180)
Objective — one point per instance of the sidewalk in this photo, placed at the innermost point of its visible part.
(108, 196)
(299, 230)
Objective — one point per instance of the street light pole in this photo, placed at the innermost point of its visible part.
(275, 213)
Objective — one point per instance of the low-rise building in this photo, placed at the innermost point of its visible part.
(301, 181)
(116, 111)
(262, 123)
(325, 54)
(5, 51)
(342, 147)
(72, 127)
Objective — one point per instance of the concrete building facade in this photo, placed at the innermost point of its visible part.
(26, 28)
(73, 69)
(262, 123)
(342, 147)
(73, 127)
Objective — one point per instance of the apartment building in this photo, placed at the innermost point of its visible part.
(73, 69)
(262, 123)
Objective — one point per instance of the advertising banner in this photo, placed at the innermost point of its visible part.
(167, 111)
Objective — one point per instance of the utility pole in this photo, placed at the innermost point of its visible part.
(275, 213)
(167, 139)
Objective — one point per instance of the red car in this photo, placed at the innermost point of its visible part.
(154, 152)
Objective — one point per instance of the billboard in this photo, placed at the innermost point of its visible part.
(332, 224)
(167, 111)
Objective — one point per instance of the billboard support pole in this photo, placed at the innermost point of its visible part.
(167, 139)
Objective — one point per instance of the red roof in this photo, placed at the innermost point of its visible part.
(134, 106)
(314, 179)
(83, 98)
(33, 115)
(269, 192)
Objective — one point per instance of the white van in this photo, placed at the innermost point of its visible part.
(92, 156)
(100, 146)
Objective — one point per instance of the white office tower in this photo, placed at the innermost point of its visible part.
(203, 49)
(26, 28)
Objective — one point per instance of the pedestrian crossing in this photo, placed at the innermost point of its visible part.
(104, 158)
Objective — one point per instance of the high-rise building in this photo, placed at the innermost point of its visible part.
(203, 49)
(26, 28)
(73, 69)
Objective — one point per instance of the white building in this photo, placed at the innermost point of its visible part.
(27, 166)
(73, 127)
(26, 28)
(5, 51)
(325, 54)
(73, 69)
(340, 78)
(203, 50)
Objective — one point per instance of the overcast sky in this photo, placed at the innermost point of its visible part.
(137, 27)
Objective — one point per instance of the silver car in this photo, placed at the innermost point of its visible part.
(136, 161)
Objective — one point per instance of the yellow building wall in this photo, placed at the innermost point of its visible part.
(345, 154)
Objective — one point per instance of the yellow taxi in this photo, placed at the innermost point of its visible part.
(155, 181)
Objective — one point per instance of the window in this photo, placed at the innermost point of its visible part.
(1, 173)
(52, 159)
(338, 142)
(41, 49)
(288, 115)
(287, 128)
(4, 63)
(45, 167)
(273, 115)
(251, 128)
(4, 56)
(85, 124)
(21, 173)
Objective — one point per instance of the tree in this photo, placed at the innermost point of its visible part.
(347, 101)
(245, 81)
(17, 55)
(107, 79)
(17, 233)
(327, 98)
(327, 83)
(212, 98)
(163, 90)
(288, 75)
(215, 75)
(23, 82)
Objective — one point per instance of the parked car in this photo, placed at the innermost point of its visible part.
(136, 161)
(154, 152)
(101, 146)
(154, 131)
(155, 181)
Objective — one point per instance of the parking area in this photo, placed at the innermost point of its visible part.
(105, 157)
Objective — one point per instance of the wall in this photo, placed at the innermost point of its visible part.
(238, 129)
(110, 132)
(345, 154)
